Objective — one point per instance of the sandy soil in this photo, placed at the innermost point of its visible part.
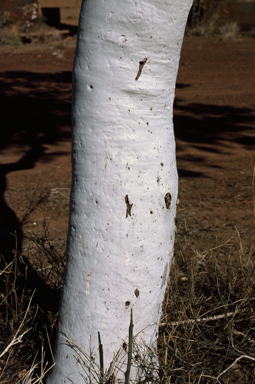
(214, 117)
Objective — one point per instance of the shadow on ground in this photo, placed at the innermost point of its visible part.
(36, 112)
(36, 109)
(210, 128)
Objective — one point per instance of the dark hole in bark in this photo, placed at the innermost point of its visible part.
(127, 303)
(124, 346)
(129, 206)
(168, 199)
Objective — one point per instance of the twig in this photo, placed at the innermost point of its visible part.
(130, 345)
(210, 318)
(240, 333)
(101, 359)
(253, 196)
(55, 191)
(240, 241)
(236, 360)
(16, 339)
(1, 272)
(219, 246)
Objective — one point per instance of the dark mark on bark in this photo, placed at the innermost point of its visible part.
(130, 348)
(141, 65)
(137, 292)
(129, 206)
(101, 359)
(168, 199)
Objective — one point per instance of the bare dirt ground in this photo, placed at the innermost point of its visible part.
(214, 119)
(214, 126)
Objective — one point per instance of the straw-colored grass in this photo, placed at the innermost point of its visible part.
(207, 329)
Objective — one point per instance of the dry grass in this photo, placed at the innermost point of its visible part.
(27, 311)
(17, 33)
(11, 35)
(229, 31)
(20, 328)
(203, 18)
(206, 20)
(207, 330)
(208, 321)
(210, 28)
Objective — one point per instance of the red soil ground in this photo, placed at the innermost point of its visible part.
(214, 119)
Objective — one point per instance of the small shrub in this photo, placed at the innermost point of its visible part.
(229, 31)
(204, 17)
(16, 40)
(4, 20)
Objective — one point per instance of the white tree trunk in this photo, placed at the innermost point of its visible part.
(124, 186)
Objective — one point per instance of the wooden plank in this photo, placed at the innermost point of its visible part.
(69, 16)
(59, 3)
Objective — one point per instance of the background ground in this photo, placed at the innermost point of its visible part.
(214, 119)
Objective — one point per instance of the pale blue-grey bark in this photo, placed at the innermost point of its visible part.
(124, 186)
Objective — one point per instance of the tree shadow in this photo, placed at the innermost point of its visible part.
(36, 109)
(35, 112)
(210, 129)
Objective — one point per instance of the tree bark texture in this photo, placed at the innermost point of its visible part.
(124, 183)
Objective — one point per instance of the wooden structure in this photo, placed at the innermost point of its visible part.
(241, 11)
(68, 10)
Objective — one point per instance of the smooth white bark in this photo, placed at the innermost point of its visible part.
(124, 163)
